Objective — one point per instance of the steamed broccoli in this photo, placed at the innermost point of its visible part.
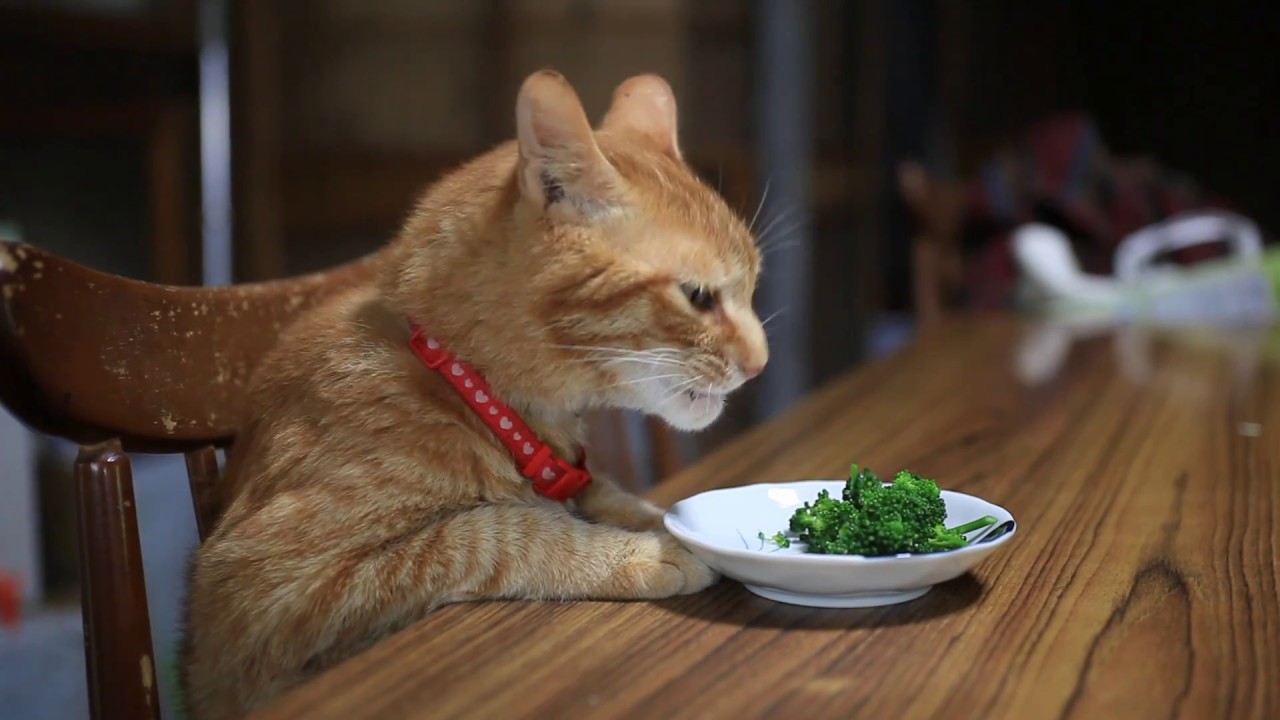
(951, 538)
(874, 518)
(777, 539)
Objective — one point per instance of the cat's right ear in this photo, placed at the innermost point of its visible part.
(561, 169)
(645, 105)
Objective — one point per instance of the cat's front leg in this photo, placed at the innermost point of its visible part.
(265, 607)
(604, 501)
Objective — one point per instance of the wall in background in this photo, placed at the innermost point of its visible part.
(19, 508)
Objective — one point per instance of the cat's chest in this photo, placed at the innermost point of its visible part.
(562, 432)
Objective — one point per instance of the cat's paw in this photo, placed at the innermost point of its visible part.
(670, 569)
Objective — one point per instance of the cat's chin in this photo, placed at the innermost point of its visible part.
(690, 412)
(687, 425)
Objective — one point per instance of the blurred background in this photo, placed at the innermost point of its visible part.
(887, 145)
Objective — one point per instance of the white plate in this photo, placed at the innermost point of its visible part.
(721, 527)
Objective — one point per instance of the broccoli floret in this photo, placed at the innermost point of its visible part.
(872, 518)
(868, 535)
(824, 515)
(917, 499)
(777, 539)
(862, 483)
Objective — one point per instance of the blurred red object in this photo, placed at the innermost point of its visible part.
(10, 598)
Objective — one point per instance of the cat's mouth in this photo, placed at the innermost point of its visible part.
(696, 395)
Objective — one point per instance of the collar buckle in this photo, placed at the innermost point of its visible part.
(554, 478)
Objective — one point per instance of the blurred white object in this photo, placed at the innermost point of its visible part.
(1134, 255)
(1044, 254)
(1235, 289)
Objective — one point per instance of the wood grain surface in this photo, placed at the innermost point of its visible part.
(1142, 584)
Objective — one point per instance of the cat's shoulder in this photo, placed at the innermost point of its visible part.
(342, 335)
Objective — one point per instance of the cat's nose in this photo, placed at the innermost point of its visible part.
(751, 351)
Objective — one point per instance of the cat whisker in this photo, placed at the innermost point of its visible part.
(612, 354)
(605, 364)
(776, 313)
(782, 234)
(763, 196)
(612, 367)
(779, 243)
(781, 246)
(607, 359)
(636, 381)
(628, 351)
(618, 350)
(770, 228)
(775, 235)
(605, 356)
(783, 214)
(678, 388)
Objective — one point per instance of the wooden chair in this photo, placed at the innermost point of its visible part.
(119, 365)
(936, 205)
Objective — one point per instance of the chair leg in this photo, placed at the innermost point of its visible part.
(118, 653)
(202, 473)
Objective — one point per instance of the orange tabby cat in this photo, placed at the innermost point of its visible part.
(572, 268)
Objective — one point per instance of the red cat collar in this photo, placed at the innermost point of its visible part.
(552, 476)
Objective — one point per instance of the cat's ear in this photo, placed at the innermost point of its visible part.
(645, 105)
(561, 168)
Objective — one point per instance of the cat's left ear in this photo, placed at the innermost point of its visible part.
(561, 168)
(646, 105)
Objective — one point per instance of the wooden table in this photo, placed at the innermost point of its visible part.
(1142, 583)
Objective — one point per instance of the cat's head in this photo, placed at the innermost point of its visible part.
(643, 276)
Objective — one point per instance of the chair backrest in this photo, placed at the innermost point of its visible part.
(161, 368)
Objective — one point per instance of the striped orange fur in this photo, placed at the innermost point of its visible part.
(574, 267)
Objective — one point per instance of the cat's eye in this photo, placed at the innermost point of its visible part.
(699, 296)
